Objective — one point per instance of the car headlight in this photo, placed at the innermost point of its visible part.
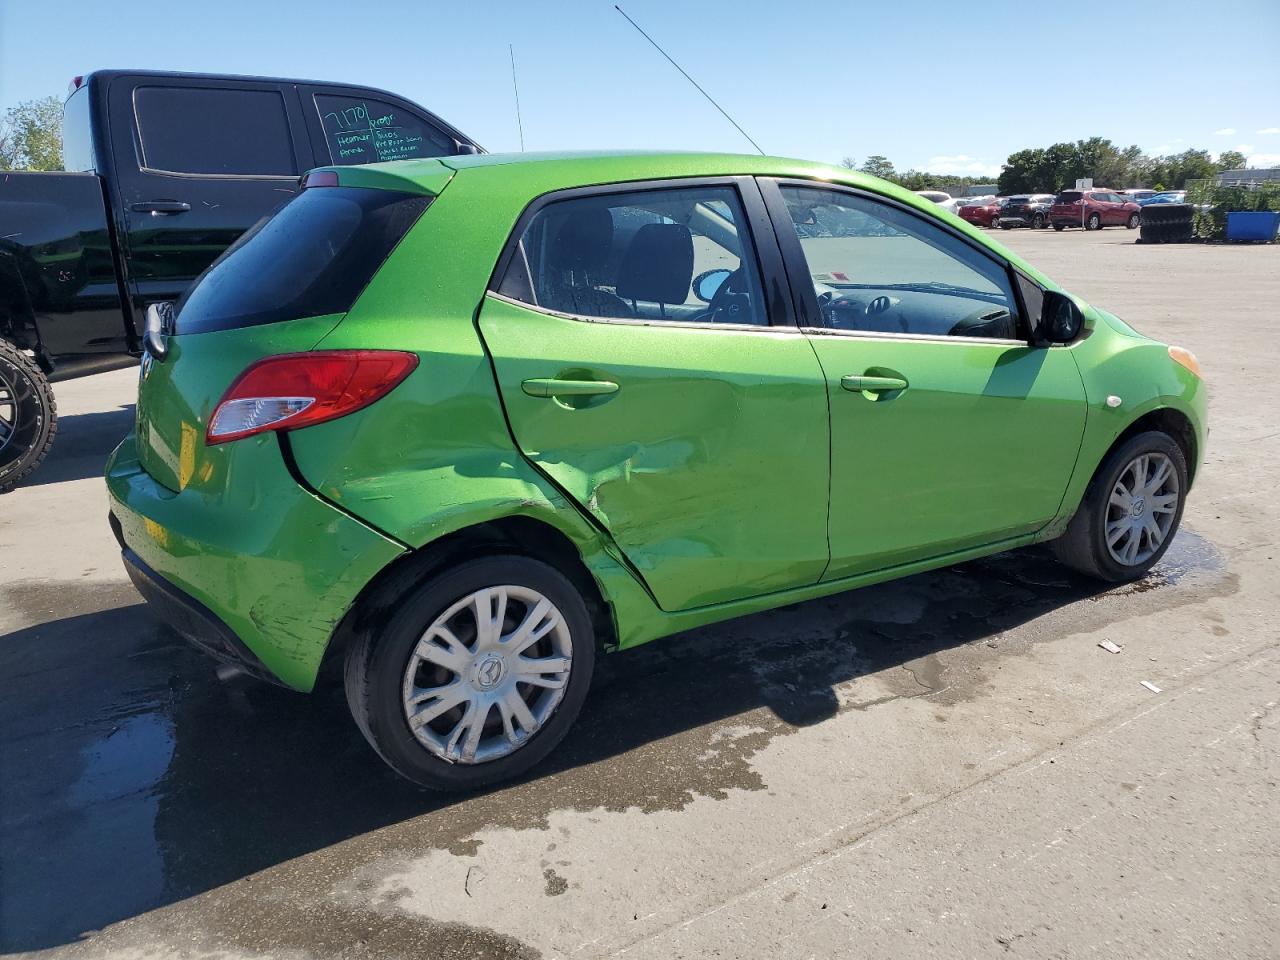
(1183, 356)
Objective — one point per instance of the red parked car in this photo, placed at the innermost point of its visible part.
(1093, 209)
(981, 211)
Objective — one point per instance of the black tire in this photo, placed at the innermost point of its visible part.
(1168, 213)
(1133, 221)
(1059, 227)
(1083, 546)
(376, 665)
(1037, 222)
(1093, 222)
(28, 416)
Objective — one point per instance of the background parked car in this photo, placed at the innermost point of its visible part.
(1138, 194)
(1026, 210)
(981, 211)
(941, 198)
(1169, 196)
(1093, 209)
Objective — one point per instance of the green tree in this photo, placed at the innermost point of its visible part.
(878, 166)
(1231, 160)
(31, 136)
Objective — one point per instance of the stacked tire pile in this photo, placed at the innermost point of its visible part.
(1168, 223)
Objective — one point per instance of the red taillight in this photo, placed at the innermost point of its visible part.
(297, 390)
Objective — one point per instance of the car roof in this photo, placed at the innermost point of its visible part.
(541, 172)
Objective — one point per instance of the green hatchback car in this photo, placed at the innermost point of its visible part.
(453, 427)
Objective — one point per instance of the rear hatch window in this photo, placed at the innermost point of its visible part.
(1068, 196)
(313, 257)
(280, 289)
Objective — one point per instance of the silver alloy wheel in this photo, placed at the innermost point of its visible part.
(1141, 509)
(487, 674)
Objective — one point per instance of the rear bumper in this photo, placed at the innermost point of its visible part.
(260, 573)
(188, 617)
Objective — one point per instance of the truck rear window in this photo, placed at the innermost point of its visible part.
(312, 257)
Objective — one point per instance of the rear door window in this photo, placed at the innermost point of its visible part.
(313, 257)
(214, 131)
(367, 130)
(682, 254)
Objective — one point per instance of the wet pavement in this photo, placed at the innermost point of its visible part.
(155, 804)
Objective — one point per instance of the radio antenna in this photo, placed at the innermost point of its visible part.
(690, 79)
(516, 88)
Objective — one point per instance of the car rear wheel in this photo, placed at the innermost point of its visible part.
(1037, 222)
(1130, 512)
(28, 416)
(1134, 220)
(477, 676)
(1093, 223)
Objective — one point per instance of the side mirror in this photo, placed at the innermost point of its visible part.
(1060, 320)
(158, 326)
(707, 285)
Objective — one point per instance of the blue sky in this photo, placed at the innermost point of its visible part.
(932, 85)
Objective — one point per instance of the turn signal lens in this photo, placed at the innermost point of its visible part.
(1186, 358)
(296, 390)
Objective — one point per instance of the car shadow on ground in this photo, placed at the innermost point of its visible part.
(82, 445)
(136, 773)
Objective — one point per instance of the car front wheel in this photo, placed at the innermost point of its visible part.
(1130, 512)
(1133, 222)
(1093, 223)
(477, 676)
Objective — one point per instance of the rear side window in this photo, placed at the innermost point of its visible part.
(682, 254)
(364, 130)
(311, 258)
(1068, 196)
(212, 131)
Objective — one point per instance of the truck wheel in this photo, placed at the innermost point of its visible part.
(477, 675)
(28, 415)
(1130, 512)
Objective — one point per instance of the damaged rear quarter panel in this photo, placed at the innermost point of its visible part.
(435, 456)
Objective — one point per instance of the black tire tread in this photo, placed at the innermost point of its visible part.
(41, 450)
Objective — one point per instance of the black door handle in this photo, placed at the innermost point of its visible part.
(161, 208)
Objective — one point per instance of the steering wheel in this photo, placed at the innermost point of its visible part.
(731, 302)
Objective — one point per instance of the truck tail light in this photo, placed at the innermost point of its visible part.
(295, 390)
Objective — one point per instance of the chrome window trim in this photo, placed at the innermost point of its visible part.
(914, 337)
(664, 324)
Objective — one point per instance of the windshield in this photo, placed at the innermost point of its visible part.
(312, 257)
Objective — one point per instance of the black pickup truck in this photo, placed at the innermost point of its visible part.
(165, 171)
